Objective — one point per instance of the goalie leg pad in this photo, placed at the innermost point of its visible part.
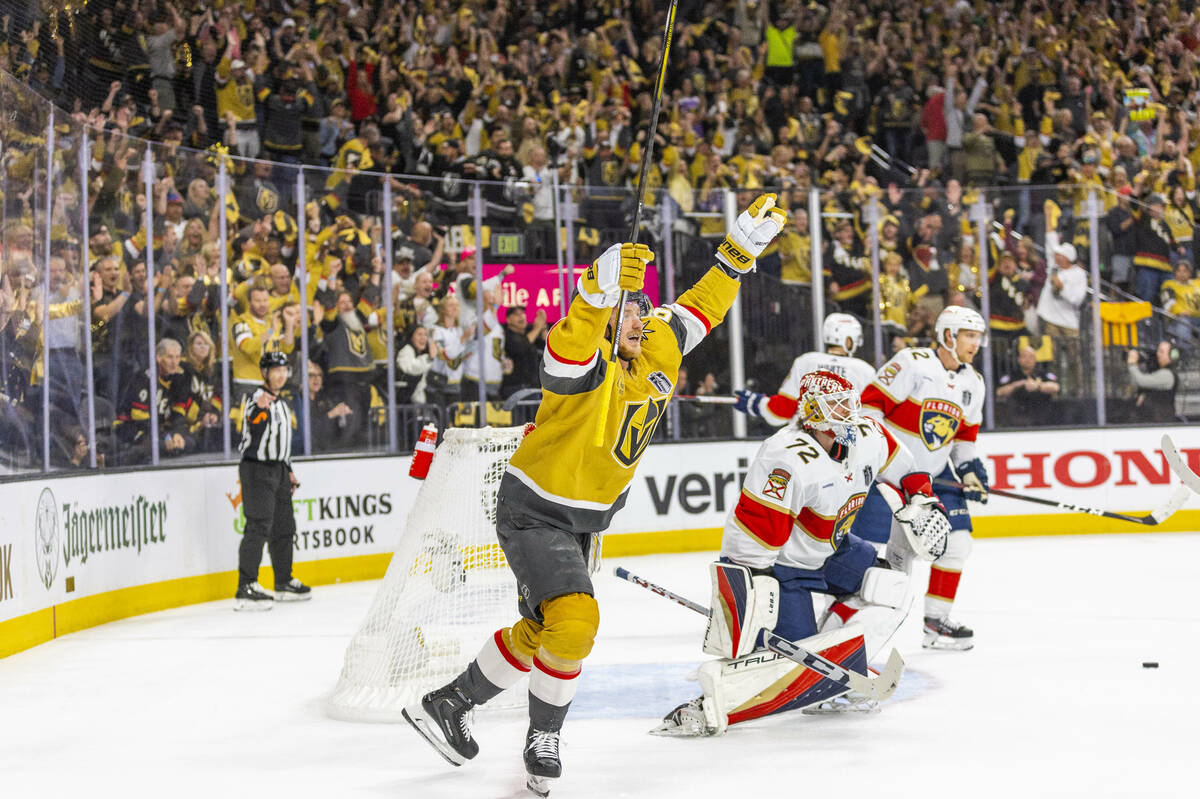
(742, 605)
(879, 607)
(571, 622)
(763, 683)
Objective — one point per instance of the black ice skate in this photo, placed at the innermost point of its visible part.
(443, 717)
(292, 591)
(541, 760)
(946, 634)
(251, 596)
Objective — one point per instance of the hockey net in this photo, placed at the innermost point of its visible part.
(446, 589)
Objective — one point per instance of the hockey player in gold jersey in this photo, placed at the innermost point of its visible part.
(561, 490)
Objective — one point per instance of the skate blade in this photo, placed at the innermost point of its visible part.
(539, 786)
(253, 604)
(948, 644)
(288, 596)
(421, 724)
(671, 729)
(823, 709)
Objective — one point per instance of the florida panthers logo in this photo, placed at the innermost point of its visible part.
(939, 423)
(637, 428)
(845, 519)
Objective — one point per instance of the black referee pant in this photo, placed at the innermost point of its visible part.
(267, 503)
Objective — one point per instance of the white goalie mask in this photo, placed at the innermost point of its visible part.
(842, 330)
(828, 402)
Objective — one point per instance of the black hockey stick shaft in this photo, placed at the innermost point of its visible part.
(1150, 518)
(879, 688)
(647, 150)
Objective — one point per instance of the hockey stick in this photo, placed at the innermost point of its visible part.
(609, 376)
(1181, 469)
(1154, 517)
(707, 399)
(668, 32)
(877, 688)
(1191, 484)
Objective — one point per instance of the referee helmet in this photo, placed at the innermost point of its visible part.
(271, 359)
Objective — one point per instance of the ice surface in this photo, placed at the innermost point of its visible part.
(1053, 701)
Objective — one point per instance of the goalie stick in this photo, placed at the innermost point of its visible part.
(1191, 485)
(877, 688)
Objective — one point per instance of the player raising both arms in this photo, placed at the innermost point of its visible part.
(932, 401)
(842, 334)
(787, 538)
(561, 489)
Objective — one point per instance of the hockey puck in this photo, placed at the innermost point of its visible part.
(1150, 664)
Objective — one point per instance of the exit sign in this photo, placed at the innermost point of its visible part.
(510, 245)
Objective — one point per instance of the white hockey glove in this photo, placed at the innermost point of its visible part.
(920, 515)
(620, 267)
(752, 232)
(742, 604)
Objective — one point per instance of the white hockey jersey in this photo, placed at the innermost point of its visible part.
(797, 503)
(856, 370)
(933, 411)
(780, 408)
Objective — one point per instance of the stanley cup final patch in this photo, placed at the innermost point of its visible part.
(660, 382)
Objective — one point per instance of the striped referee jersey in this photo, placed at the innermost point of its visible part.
(266, 432)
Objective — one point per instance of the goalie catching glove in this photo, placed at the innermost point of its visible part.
(919, 513)
(752, 232)
(622, 267)
(742, 604)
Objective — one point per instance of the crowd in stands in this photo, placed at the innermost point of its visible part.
(903, 114)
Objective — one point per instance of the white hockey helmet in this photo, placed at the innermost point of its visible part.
(842, 330)
(828, 402)
(955, 318)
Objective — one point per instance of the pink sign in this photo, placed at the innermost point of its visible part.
(535, 287)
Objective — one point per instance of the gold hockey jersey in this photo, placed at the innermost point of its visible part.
(558, 475)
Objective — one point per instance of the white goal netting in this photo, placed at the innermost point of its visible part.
(446, 589)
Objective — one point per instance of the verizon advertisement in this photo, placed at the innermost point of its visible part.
(693, 486)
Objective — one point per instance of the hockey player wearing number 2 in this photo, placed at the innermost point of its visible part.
(931, 399)
(787, 538)
(567, 479)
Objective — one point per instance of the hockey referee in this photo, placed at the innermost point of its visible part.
(267, 486)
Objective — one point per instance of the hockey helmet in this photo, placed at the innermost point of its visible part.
(271, 359)
(955, 318)
(842, 330)
(828, 402)
(642, 301)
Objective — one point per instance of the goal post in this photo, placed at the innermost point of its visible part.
(447, 587)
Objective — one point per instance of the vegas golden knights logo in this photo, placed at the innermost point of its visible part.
(267, 200)
(637, 428)
(611, 172)
(357, 341)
